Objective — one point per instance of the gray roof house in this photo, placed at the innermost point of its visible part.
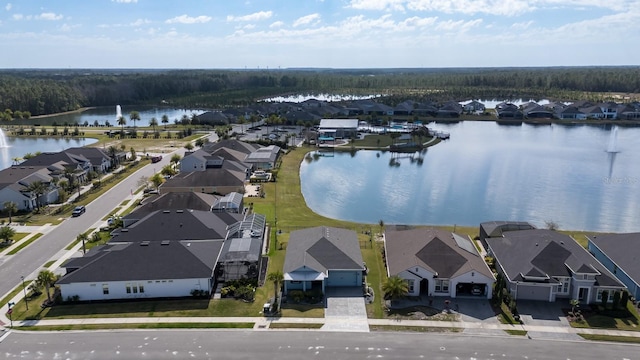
(165, 255)
(14, 183)
(546, 265)
(222, 178)
(232, 202)
(241, 255)
(263, 158)
(171, 201)
(322, 257)
(497, 228)
(437, 263)
(620, 254)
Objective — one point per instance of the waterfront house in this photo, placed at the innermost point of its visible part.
(620, 254)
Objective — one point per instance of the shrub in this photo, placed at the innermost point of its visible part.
(296, 295)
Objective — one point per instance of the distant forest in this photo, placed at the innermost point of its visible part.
(25, 93)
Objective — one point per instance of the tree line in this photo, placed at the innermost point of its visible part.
(25, 93)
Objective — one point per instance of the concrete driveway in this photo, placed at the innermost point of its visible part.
(345, 310)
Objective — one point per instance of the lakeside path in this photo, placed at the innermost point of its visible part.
(62, 113)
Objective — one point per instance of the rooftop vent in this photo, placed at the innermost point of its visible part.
(144, 243)
(124, 230)
(164, 242)
(179, 211)
(166, 211)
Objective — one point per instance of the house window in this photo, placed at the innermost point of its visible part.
(442, 286)
(141, 287)
(610, 294)
(410, 284)
(563, 287)
(128, 288)
(135, 289)
(105, 289)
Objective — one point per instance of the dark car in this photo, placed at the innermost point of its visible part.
(79, 210)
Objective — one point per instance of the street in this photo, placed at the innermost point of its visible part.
(295, 345)
(29, 261)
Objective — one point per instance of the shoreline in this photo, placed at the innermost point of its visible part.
(81, 110)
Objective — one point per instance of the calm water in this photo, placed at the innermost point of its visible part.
(17, 147)
(488, 172)
(104, 114)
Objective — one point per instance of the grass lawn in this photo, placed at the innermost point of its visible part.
(628, 320)
(413, 328)
(141, 326)
(611, 338)
(294, 326)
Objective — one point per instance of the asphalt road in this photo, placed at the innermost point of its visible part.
(295, 345)
(29, 260)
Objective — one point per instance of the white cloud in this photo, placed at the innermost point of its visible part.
(184, 19)
(67, 27)
(276, 24)
(306, 20)
(261, 15)
(495, 7)
(49, 16)
(125, 1)
(18, 16)
(522, 25)
(140, 22)
(7, 7)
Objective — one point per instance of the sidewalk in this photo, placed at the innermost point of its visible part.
(262, 323)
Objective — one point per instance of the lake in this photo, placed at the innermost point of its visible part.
(488, 172)
(17, 147)
(108, 113)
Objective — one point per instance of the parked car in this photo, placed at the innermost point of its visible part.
(476, 290)
(79, 210)
(155, 159)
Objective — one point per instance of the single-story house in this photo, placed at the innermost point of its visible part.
(232, 202)
(165, 254)
(171, 201)
(437, 263)
(546, 265)
(263, 158)
(223, 178)
(338, 128)
(620, 254)
(322, 257)
(490, 229)
(15, 182)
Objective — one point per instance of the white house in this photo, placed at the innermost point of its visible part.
(437, 263)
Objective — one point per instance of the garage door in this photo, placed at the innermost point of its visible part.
(533, 292)
(344, 278)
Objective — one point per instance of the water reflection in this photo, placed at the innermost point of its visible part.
(487, 172)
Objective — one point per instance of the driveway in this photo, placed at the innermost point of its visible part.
(345, 310)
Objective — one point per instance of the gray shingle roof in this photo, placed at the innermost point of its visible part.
(623, 249)
(323, 249)
(435, 250)
(549, 253)
(135, 262)
(173, 201)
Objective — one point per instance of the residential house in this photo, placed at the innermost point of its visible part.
(171, 201)
(474, 107)
(15, 182)
(620, 254)
(533, 110)
(508, 110)
(99, 159)
(437, 263)
(491, 229)
(338, 128)
(450, 109)
(263, 158)
(77, 164)
(571, 112)
(180, 250)
(322, 257)
(546, 265)
(225, 176)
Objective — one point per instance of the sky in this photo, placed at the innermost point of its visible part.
(230, 34)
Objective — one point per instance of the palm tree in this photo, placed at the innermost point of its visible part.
(11, 208)
(276, 277)
(84, 238)
(241, 121)
(153, 123)
(165, 120)
(134, 116)
(395, 288)
(37, 188)
(185, 120)
(46, 278)
(175, 159)
(188, 146)
(122, 121)
(7, 233)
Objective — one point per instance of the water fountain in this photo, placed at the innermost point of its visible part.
(613, 140)
(118, 112)
(3, 139)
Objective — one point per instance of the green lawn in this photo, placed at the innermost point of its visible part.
(189, 325)
(24, 244)
(628, 320)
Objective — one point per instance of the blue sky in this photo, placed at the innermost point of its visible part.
(318, 33)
